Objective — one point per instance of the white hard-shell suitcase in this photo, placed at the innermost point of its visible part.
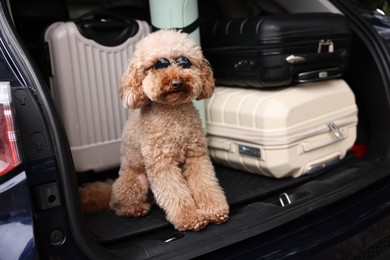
(282, 132)
(84, 83)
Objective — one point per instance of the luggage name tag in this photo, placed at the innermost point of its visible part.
(250, 151)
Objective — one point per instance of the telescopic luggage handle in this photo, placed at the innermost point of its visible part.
(106, 28)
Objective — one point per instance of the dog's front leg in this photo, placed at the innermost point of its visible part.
(208, 194)
(173, 196)
(129, 195)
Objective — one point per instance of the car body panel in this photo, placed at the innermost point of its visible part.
(45, 204)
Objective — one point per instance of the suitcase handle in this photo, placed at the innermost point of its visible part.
(106, 28)
(320, 74)
(314, 75)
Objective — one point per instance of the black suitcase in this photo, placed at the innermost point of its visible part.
(277, 50)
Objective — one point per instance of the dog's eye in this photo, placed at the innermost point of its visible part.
(162, 63)
(183, 62)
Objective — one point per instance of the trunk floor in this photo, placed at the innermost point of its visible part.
(240, 187)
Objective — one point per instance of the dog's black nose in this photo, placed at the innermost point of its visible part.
(177, 85)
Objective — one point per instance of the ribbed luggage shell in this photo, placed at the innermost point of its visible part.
(277, 50)
(84, 84)
(282, 132)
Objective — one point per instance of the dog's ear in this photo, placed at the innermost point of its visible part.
(130, 90)
(208, 80)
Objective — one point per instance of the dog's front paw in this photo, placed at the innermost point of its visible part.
(217, 215)
(189, 222)
(133, 210)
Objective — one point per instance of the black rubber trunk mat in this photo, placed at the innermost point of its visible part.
(240, 187)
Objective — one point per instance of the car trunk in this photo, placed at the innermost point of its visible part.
(258, 203)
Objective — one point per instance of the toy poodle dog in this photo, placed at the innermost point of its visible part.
(164, 148)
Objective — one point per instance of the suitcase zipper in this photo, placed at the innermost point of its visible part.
(338, 128)
(272, 47)
(328, 43)
(292, 59)
(335, 130)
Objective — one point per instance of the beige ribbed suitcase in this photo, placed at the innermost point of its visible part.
(282, 132)
(84, 84)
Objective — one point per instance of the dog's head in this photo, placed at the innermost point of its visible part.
(167, 67)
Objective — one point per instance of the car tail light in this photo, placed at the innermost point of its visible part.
(9, 154)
